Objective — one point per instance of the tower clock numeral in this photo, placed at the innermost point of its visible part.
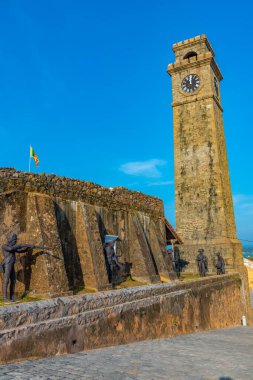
(190, 83)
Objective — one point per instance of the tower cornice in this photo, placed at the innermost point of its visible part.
(198, 61)
(197, 99)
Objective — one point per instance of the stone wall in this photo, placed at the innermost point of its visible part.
(77, 190)
(72, 324)
(72, 217)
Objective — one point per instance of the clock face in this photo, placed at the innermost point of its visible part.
(216, 86)
(190, 83)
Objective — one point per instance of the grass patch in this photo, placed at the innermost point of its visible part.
(23, 299)
(130, 283)
(81, 290)
(192, 277)
(189, 277)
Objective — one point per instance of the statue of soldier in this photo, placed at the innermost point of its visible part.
(220, 264)
(202, 263)
(177, 261)
(114, 266)
(9, 252)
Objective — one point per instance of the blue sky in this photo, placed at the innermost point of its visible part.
(85, 83)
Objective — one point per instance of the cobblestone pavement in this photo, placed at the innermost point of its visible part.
(219, 354)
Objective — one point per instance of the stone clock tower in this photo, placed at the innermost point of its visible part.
(204, 206)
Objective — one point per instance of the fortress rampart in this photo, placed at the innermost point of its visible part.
(72, 217)
(76, 190)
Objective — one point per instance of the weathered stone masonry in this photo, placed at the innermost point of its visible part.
(204, 206)
(71, 324)
(71, 217)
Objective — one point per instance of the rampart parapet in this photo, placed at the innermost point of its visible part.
(77, 190)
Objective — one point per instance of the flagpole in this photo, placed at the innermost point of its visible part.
(29, 159)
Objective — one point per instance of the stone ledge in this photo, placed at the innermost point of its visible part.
(40, 311)
(72, 324)
(195, 99)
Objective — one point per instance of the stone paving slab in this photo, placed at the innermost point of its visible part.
(224, 354)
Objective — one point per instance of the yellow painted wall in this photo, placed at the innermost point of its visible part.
(249, 265)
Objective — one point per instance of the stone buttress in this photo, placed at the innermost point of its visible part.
(72, 217)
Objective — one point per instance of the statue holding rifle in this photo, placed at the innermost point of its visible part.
(8, 265)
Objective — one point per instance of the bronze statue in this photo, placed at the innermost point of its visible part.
(202, 263)
(113, 265)
(8, 265)
(220, 264)
(177, 262)
(117, 271)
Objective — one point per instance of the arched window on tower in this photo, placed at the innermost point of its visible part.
(190, 55)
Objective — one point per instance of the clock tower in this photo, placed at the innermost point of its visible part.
(204, 206)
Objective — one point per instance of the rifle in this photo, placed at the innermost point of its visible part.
(42, 248)
(51, 255)
(46, 253)
(20, 246)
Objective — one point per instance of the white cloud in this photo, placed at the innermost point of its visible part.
(131, 184)
(148, 169)
(243, 203)
(238, 198)
(160, 183)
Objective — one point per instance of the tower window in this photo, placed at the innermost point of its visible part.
(190, 55)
